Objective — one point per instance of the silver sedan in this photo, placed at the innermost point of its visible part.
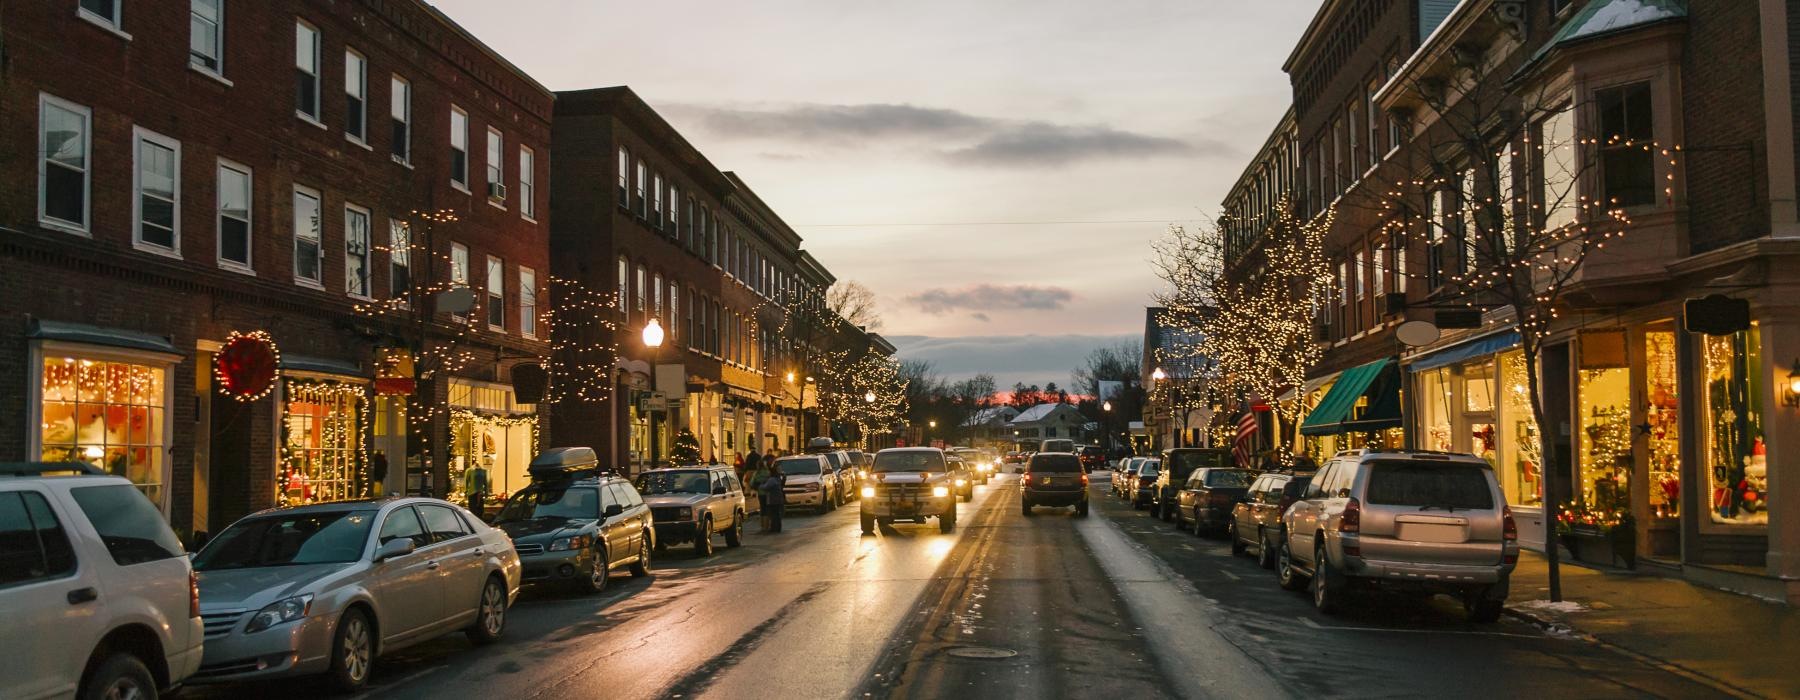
(321, 589)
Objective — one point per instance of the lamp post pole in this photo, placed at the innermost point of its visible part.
(653, 339)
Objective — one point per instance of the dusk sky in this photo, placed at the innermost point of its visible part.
(938, 151)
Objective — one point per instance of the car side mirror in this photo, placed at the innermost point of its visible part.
(399, 547)
(613, 510)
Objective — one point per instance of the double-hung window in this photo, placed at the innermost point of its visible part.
(459, 148)
(656, 201)
(527, 184)
(102, 12)
(639, 291)
(306, 71)
(459, 271)
(157, 181)
(356, 251)
(527, 302)
(307, 229)
(399, 259)
(1627, 154)
(673, 318)
(356, 97)
(64, 139)
(206, 35)
(496, 173)
(674, 212)
(624, 284)
(234, 216)
(400, 110)
(496, 294)
(656, 296)
(624, 178)
(638, 193)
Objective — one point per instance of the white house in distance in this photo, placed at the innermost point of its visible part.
(1048, 420)
(993, 424)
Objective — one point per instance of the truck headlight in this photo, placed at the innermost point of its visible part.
(940, 491)
(571, 544)
(280, 611)
(868, 492)
(961, 482)
(812, 487)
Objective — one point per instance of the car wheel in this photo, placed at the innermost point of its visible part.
(490, 616)
(1081, 509)
(597, 574)
(352, 651)
(1025, 509)
(1327, 591)
(734, 536)
(120, 676)
(947, 521)
(641, 567)
(1285, 573)
(1484, 606)
(1265, 554)
(703, 538)
(868, 524)
(1231, 530)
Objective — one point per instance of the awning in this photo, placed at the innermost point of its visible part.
(1479, 347)
(1337, 413)
(320, 365)
(95, 335)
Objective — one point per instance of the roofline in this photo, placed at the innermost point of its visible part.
(626, 102)
(762, 208)
(811, 264)
(1288, 119)
(1312, 33)
(485, 49)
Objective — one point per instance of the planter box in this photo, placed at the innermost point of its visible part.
(1596, 546)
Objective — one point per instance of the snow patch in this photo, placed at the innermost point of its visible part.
(1620, 14)
(1562, 608)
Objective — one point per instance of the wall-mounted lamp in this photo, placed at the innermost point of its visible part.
(1790, 395)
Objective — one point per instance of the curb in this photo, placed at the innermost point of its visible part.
(1555, 627)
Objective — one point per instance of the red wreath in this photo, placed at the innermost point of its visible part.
(247, 365)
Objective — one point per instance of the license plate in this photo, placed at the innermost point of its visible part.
(905, 508)
(1046, 482)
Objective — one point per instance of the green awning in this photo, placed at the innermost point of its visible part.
(1337, 413)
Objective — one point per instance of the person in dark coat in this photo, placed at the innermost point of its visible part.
(751, 463)
(774, 500)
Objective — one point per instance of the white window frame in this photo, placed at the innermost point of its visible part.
(527, 302)
(34, 406)
(460, 180)
(494, 167)
(45, 101)
(400, 88)
(140, 136)
(459, 271)
(496, 294)
(318, 283)
(399, 256)
(116, 25)
(248, 266)
(527, 184)
(218, 47)
(318, 82)
(368, 255)
(361, 85)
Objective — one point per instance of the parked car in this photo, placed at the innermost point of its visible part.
(1093, 457)
(810, 482)
(1121, 481)
(98, 596)
(908, 483)
(962, 477)
(693, 504)
(1054, 479)
(328, 588)
(1177, 464)
(843, 476)
(1209, 496)
(1057, 446)
(575, 525)
(1143, 483)
(1257, 519)
(1418, 521)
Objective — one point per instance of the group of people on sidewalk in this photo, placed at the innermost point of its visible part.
(758, 472)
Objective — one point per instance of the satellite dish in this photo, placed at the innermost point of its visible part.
(456, 301)
(1418, 333)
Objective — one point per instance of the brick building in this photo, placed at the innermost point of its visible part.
(195, 169)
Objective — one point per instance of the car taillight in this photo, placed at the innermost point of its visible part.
(193, 594)
(1026, 480)
(1509, 531)
(1084, 480)
(1352, 518)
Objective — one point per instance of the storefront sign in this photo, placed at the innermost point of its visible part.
(247, 365)
(529, 383)
(1716, 314)
(393, 372)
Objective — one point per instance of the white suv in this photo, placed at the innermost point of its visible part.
(96, 591)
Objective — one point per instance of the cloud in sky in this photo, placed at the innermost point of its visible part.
(1028, 359)
(981, 140)
(991, 297)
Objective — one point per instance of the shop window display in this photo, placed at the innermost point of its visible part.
(1436, 396)
(1478, 410)
(1731, 434)
(109, 414)
(1605, 435)
(1662, 423)
(322, 438)
(1521, 447)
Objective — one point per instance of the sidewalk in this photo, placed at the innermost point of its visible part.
(1737, 642)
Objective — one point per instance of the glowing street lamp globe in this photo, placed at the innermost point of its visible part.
(869, 397)
(653, 334)
(1159, 374)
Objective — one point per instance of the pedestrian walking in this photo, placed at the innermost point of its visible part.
(475, 486)
(774, 500)
(751, 464)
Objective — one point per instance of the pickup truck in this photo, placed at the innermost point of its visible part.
(909, 483)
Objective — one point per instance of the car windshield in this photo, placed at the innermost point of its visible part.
(1055, 463)
(921, 461)
(798, 467)
(675, 482)
(289, 539)
(1148, 470)
(1229, 478)
(1429, 485)
(573, 503)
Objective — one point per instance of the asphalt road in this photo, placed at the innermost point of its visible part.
(1116, 604)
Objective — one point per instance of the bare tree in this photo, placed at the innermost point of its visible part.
(855, 303)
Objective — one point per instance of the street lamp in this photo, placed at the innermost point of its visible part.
(653, 339)
(869, 397)
(1158, 374)
(1106, 406)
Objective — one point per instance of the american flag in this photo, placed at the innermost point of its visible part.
(1245, 444)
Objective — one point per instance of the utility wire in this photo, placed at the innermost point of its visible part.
(999, 223)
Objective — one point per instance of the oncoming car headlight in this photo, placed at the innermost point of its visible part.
(961, 482)
(280, 611)
(570, 544)
(868, 492)
(940, 491)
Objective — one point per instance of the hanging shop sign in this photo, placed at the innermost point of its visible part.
(394, 372)
(1716, 314)
(529, 382)
(247, 365)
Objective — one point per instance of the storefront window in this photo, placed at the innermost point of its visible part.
(1731, 436)
(322, 440)
(1436, 401)
(1605, 433)
(1662, 417)
(109, 414)
(1478, 409)
(491, 431)
(1520, 464)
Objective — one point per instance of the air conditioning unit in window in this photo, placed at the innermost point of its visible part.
(496, 190)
